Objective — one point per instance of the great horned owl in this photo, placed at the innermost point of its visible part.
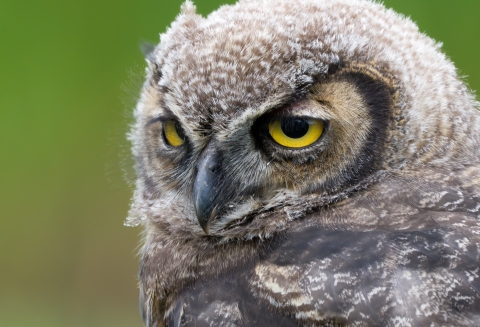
(307, 162)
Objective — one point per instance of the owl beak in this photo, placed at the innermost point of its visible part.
(207, 187)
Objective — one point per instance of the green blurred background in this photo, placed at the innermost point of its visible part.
(70, 74)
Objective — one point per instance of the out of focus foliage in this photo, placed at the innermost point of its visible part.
(70, 73)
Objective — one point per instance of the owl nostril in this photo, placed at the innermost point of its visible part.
(213, 166)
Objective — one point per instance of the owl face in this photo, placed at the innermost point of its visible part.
(319, 138)
(253, 108)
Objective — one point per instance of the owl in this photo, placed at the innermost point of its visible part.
(305, 163)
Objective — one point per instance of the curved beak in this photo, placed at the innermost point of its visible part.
(207, 196)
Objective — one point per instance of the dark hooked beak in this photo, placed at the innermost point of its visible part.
(208, 196)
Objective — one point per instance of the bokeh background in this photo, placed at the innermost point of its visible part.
(70, 72)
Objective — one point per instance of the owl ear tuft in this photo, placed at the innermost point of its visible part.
(188, 8)
(147, 49)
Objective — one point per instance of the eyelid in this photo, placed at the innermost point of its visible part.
(291, 113)
(162, 115)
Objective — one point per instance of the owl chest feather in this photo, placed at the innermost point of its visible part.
(403, 253)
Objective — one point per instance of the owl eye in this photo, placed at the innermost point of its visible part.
(173, 133)
(295, 132)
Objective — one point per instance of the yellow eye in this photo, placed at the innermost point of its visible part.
(295, 132)
(173, 133)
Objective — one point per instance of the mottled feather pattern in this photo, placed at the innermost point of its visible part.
(372, 278)
(377, 223)
(395, 268)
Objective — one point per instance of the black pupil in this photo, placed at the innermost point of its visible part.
(295, 127)
(179, 131)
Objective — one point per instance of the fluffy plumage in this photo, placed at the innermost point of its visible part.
(375, 224)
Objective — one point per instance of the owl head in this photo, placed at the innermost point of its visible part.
(266, 110)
